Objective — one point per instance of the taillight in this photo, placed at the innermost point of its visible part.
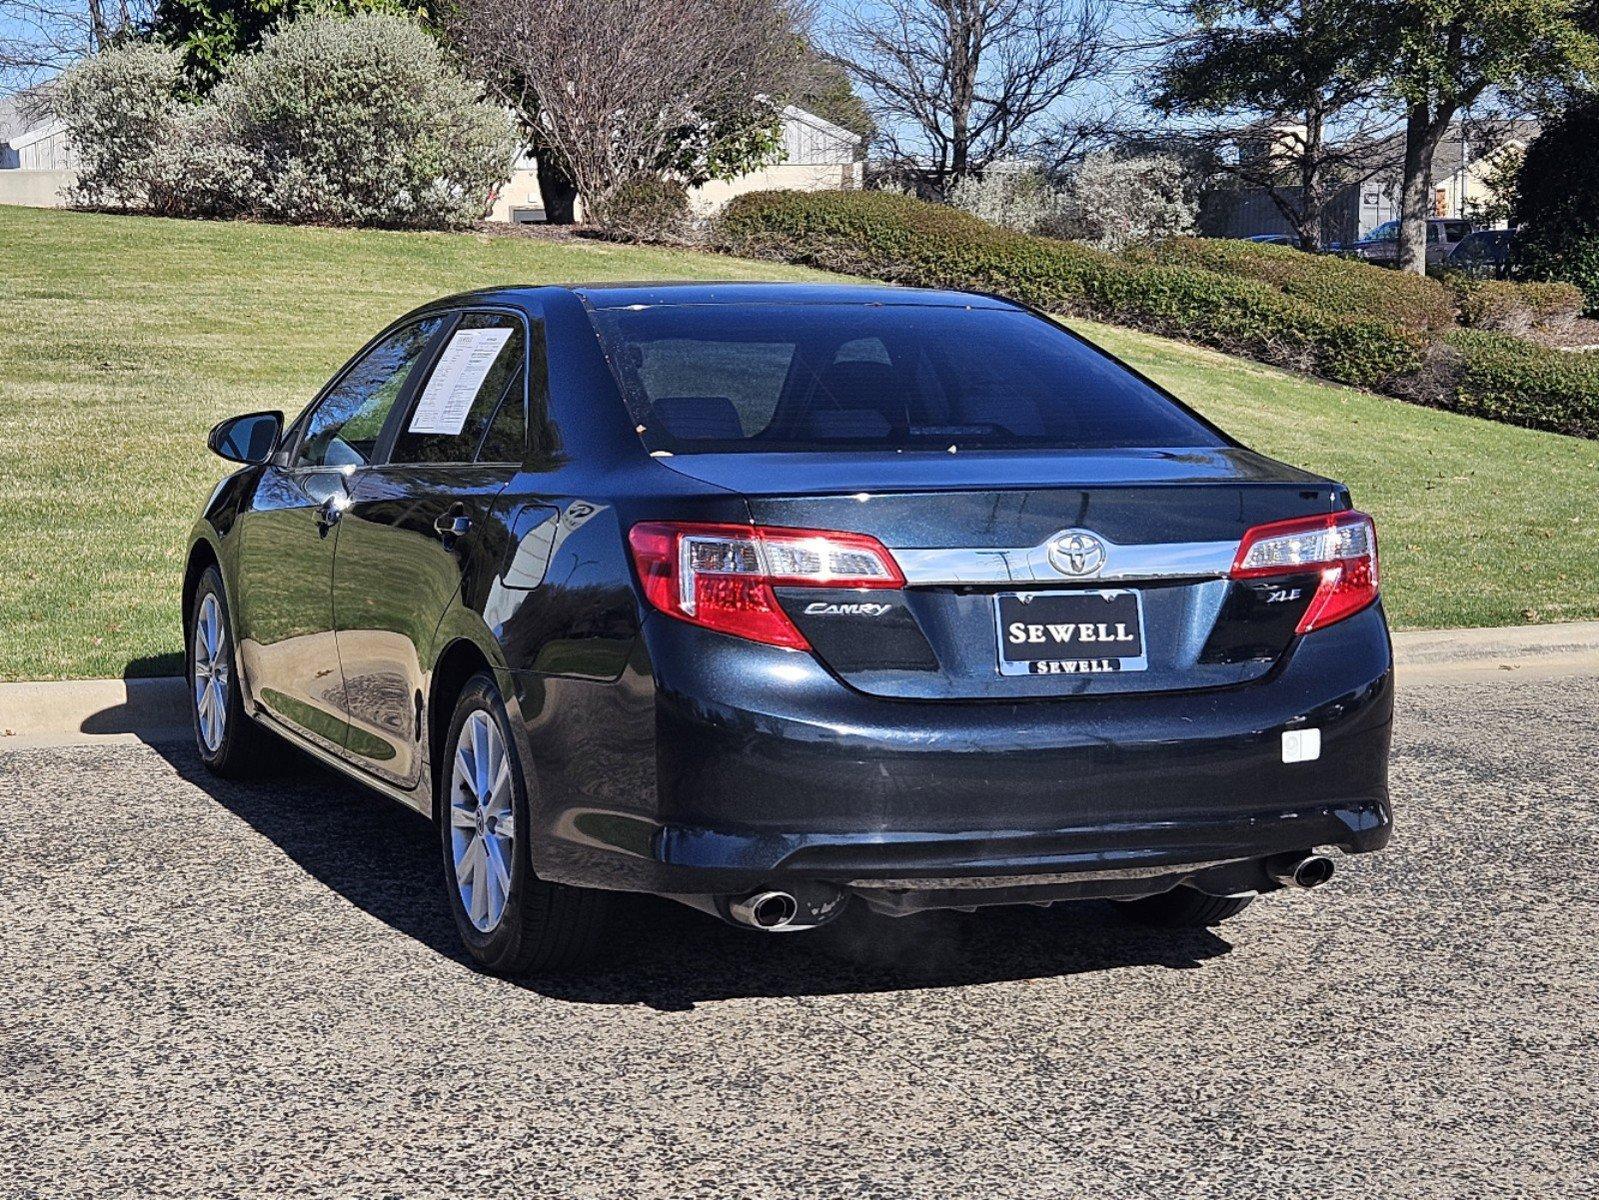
(721, 576)
(1342, 547)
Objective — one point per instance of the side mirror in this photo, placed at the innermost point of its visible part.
(248, 439)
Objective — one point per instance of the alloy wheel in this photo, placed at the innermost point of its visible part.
(211, 671)
(482, 821)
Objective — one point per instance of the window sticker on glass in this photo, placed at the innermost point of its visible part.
(465, 363)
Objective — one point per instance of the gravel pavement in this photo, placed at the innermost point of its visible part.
(212, 990)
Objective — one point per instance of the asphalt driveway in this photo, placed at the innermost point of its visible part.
(210, 989)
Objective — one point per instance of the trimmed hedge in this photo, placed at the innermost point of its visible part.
(1517, 307)
(1274, 304)
(1337, 285)
(1504, 378)
(910, 241)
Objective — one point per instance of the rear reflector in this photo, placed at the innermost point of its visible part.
(721, 576)
(1341, 547)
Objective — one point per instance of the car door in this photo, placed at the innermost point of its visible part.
(284, 571)
(416, 527)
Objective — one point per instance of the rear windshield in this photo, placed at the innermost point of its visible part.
(806, 377)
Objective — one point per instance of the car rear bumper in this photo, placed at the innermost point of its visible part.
(769, 769)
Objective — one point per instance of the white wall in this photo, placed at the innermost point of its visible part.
(35, 189)
(709, 197)
(520, 191)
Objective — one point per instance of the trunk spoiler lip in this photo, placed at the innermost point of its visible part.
(773, 474)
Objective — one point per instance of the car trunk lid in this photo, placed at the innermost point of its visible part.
(986, 543)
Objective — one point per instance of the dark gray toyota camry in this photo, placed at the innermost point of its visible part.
(776, 599)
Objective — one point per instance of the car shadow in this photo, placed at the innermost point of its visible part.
(385, 860)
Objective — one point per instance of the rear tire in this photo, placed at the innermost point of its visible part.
(1184, 908)
(511, 922)
(230, 743)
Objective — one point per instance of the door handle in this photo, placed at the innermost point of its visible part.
(453, 524)
(327, 516)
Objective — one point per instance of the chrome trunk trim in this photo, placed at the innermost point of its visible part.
(1150, 560)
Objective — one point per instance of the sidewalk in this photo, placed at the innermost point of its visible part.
(157, 710)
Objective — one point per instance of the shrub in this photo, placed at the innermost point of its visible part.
(362, 121)
(1517, 308)
(199, 171)
(1557, 306)
(1022, 200)
(1507, 379)
(914, 242)
(1332, 284)
(1577, 263)
(117, 107)
(1118, 202)
(357, 121)
(647, 208)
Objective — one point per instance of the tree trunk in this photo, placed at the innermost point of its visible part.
(99, 32)
(1423, 128)
(1313, 186)
(962, 36)
(558, 191)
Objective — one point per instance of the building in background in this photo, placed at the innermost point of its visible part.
(1462, 165)
(36, 160)
(1461, 188)
(816, 156)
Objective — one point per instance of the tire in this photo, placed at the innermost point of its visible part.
(531, 927)
(238, 748)
(1184, 908)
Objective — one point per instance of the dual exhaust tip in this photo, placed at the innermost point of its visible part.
(774, 911)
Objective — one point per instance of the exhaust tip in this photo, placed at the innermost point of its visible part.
(766, 910)
(1313, 871)
(1303, 871)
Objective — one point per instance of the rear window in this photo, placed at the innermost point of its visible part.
(797, 377)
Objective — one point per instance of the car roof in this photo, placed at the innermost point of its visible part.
(657, 292)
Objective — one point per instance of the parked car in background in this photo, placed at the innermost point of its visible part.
(1381, 245)
(1275, 239)
(774, 599)
(1484, 254)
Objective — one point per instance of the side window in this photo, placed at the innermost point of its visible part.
(477, 373)
(344, 428)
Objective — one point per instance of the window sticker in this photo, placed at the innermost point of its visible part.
(455, 382)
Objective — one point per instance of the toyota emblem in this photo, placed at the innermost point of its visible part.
(1077, 554)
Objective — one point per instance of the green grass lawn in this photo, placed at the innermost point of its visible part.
(123, 339)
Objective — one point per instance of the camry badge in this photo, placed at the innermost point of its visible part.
(1076, 553)
(820, 608)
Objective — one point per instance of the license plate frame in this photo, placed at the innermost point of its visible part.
(1113, 664)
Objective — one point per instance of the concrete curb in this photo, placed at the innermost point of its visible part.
(1433, 647)
(149, 708)
(158, 709)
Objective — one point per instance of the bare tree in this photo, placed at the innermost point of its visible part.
(957, 84)
(39, 37)
(609, 89)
